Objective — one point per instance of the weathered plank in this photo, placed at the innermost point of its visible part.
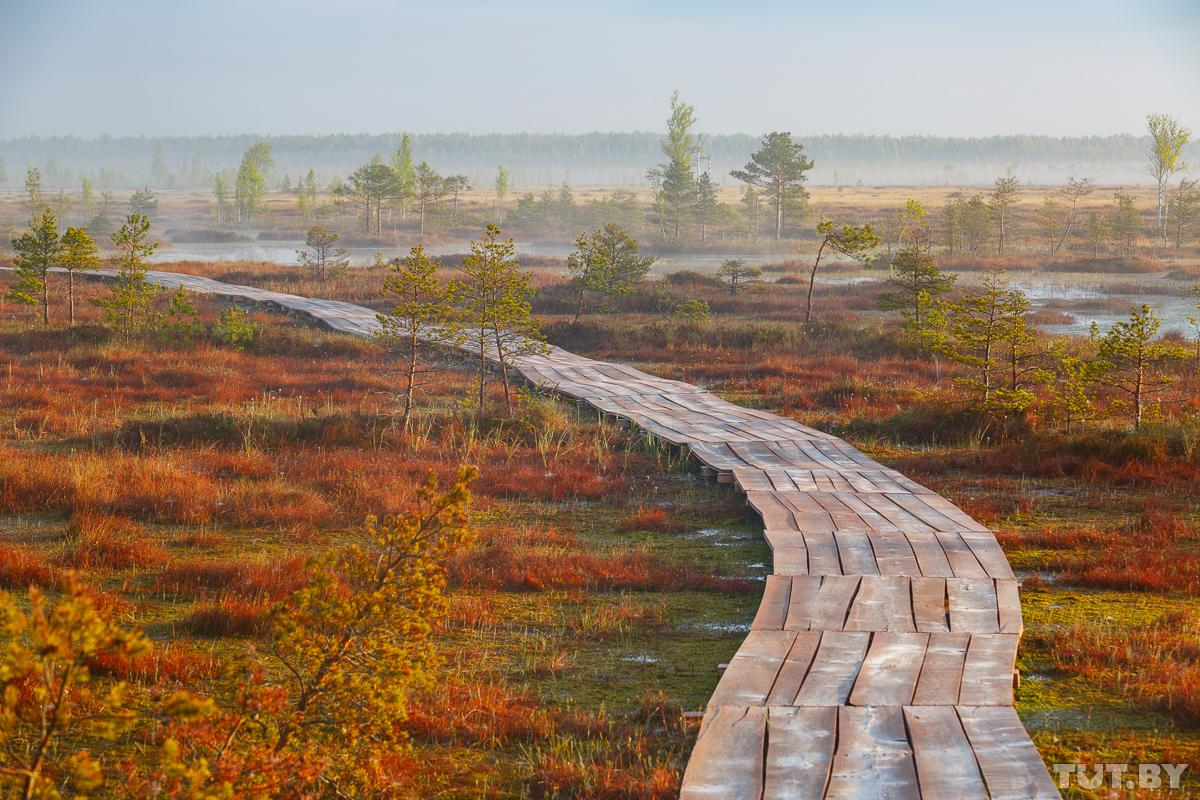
(752, 670)
(941, 673)
(727, 760)
(945, 762)
(773, 608)
(987, 674)
(834, 669)
(889, 673)
(1011, 766)
(800, 747)
(873, 760)
(794, 669)
(972, 605)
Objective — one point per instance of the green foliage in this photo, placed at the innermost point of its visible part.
(693, 311)
(356, 640)
(181, 323)
(606, 263)
(738, 274)
(370, 186)
(1131, 361)
(143, 202)
(917, 282)
(35, 200)
(496, 303)
(853, 241)
(1124, 224)
(428, 189)
(1071, 403)
(37, 252)
(503, 184)
(989, 335)
(78, 253)
(251, 183)
(130, 305)
(45, 673)
(423, 310)
(405, 174)
(1003, 195)
(673, 181)
(233, 328)
(325, 258)
(779, 168)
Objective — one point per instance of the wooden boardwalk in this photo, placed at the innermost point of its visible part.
(881, 661)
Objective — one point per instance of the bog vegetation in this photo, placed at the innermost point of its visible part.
(243, 558)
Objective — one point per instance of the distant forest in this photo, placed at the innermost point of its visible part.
(608, 159)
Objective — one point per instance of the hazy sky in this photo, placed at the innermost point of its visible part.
(128, 67)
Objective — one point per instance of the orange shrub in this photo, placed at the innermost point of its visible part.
(229, 616)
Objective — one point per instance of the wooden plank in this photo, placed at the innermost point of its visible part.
(831, 605)
(794, 669)
(774, 513)
(834, 669)
(893, 554)
(1011, 766)
(751, 672)
(1008, 605)
(972, 605)
(772, 611)
(727, 760)
(945, 762)
(941, 674)
(855, 553)
(987, 551)
(929, 605)
(800, 745)
(823, 556)
(800, 606)
(792, 560)
(882, 604)
(873, 760)
(987, 673)
(931, 558)
(962, 561)
(889, 672)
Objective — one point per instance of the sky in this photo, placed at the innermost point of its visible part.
(962, 68)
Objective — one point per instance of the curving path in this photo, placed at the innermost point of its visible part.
(881, 661)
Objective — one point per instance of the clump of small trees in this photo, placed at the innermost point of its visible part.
(131, 305)
(1007, 368)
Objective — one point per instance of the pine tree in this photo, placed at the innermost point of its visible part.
(496, 299)
(914, 273)
(706, 204)
(1003, 195)
(423, 310)
(853, 241)
(130, 306)
(326, 259)
(35, 200)
(779, 168)
(988, 334)
(37, 253)
(1131, 362)
(78, 254)
(606, 263)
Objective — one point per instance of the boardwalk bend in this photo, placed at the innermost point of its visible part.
(880, 664)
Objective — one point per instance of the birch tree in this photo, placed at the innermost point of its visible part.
(1167, 139)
